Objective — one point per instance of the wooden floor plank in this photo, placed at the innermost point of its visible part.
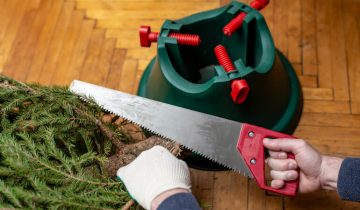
(319, 106)
(323, 19)
(203, 187)
(114, 76)
(125, 38)
(44, 41)
(189, 1)
(26, 51)
(331, 120)
(308, 81)
(309, 54)
(67, 52)
(128, 74)
(280, 27)
(268, 13)
(325, 94)
(297, 68)
(138, 76)
(89, 70)
(104, 64)
(230, 186)
(294, 31)
(11, 32)
(224, 2)
(130, 15)
(341, 141)
(352, 41)
(321, 38)
(79, 54)
(15, 25)
(142, 53)
(315, 201)
(21, 38)
(8, 8)
(340, 81)
(259, 200)
(154, 5)
(133, 25)
(54, 51)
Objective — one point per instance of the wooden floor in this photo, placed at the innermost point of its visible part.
(56, 41)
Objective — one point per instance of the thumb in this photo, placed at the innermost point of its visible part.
(285, 145)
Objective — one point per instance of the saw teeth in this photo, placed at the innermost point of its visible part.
(87, 99)
(90, 100)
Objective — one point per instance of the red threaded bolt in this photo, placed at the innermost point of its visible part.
(239, 87)
(224, 58)
(186, 39)
(236, 22)
(147, 37)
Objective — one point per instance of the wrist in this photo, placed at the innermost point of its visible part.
(330, 171)
(163, 196)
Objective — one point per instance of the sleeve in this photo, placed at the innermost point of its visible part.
(180, 201)
(349, 179)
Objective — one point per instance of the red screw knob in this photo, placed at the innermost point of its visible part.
(236, 22)
(147, 37)
(239, 87)
(239, 90)
(259, 4)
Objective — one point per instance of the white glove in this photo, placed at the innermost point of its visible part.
(153, 172)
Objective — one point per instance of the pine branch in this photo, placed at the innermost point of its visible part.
(106, 131)
(58, 152)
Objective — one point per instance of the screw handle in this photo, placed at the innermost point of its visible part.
(236, 22)
(223, 58)
(239, 90)
(186, 39)
(147, 37)
(239, 87)
(259, 4)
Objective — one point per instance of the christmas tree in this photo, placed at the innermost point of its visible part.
(59, 152)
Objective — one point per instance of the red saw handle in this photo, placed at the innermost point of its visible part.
(251, 147)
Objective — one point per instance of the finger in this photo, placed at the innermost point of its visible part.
(282, 165)
(286, 145)
(277, 184)
(277, 155)
(284, 175)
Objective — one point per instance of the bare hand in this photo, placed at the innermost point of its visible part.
(316, 171)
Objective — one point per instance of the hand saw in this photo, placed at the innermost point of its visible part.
(238, 146)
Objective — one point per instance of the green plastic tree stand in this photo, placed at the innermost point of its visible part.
(191, 77)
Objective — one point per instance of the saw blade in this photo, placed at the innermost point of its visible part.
(213, 137)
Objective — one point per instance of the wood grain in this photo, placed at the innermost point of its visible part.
(45, 39)
(352, 45)
(57, 41)
(54, 51)
(309, 53)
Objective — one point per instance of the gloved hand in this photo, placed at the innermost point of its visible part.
(153, 172)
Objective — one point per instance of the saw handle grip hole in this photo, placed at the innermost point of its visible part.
(251, 148)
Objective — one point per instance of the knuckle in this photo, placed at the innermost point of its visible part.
(302, 143)
(274, 174)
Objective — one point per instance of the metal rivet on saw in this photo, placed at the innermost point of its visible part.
(251, 134)
(253, 161)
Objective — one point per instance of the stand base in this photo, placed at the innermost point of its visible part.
(294, 109)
